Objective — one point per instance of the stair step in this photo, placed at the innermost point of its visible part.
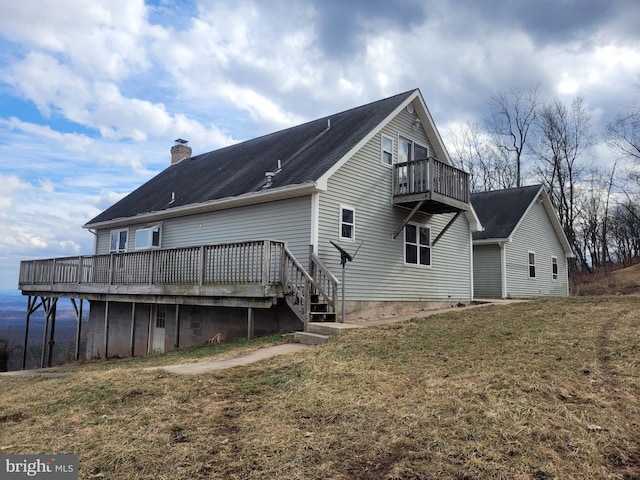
(329, 328)
(319, 307)
(322, 317)
(308, 338)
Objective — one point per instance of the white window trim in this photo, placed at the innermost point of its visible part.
(404, 246)
(341, 223)
(151, 229)
(118, 231)
(529, 264)
(382, 150)
(555, 276)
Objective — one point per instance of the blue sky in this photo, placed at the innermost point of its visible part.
(92, 94)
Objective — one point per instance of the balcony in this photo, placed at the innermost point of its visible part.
(432, 186)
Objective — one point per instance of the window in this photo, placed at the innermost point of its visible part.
(532, 265)
(118, 241)
(347, 223)
(405, 150)
(417, 245)
(161, 315)
(408, 150)
(387, 150)
(148, 237)
(554, 267)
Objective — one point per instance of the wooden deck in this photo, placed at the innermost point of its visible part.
(254, 274)
(440, 187)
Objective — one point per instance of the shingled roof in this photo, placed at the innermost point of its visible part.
(306, 153)
(501, 210)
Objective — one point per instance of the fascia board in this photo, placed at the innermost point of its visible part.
(252, 198)
(492, 241)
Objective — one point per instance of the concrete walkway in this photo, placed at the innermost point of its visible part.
(270, 352)
(244, 359)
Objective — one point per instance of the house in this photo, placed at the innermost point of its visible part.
(240, 241)
(522, 251)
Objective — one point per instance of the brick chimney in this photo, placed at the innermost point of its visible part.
(180, 151)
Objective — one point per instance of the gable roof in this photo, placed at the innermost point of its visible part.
(501, 211)
(306, 152)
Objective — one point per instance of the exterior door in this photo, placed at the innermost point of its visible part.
(160, 317)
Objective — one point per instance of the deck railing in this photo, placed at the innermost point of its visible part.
(262, 262)
(231, 263)
(430, 175)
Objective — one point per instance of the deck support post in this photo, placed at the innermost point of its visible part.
(32, 306)
(49, 305)
(78, 310)
(132, 341)
(250, 323)
(106, 329)
(54, 307)
(177, 335)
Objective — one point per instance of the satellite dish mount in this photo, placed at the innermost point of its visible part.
(344, 258)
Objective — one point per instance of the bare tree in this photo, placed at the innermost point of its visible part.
(623, 134)
(564, 137)
(474, 151)
(514, 112)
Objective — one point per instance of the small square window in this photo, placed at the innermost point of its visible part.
(148, 238)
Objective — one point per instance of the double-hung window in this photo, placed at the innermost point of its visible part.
(532, 265)
(148, 237)
(118, 241)
(347, 223)
(554, 267)
(417, 245)
(387, 150)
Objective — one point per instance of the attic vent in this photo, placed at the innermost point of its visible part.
(180, 151)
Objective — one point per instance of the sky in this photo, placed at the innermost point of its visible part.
(93, 93)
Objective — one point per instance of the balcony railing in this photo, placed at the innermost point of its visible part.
(430, 176)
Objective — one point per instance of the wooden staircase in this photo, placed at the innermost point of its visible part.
(320, 311)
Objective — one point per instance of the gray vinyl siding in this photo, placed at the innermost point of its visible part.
(287, 220)
(487, 277)
(536, 234)
(378, 271)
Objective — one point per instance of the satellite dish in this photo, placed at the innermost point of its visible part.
(344, 255)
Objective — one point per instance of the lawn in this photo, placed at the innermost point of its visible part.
(537, 390)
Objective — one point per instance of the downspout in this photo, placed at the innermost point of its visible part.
(471, 286)
(503, 269)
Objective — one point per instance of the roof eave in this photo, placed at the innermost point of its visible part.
(491, 241)
(252, 198)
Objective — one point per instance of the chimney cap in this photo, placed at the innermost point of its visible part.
(180, 141)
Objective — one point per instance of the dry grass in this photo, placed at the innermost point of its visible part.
(538, 390)
(615, 281)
